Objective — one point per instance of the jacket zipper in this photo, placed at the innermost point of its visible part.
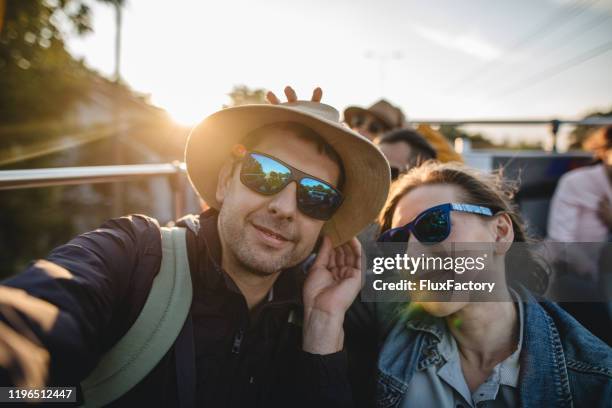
(237, 341)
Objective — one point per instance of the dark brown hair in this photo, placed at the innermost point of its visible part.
(422, 149)
(488, 190)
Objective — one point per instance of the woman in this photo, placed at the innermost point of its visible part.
(462, 354)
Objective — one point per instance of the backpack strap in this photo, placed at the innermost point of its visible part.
(184, 356)
(154, 331)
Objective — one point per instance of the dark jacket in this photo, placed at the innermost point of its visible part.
(561, 364)
(242, 358)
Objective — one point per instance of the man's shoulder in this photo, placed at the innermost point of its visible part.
(580, 175)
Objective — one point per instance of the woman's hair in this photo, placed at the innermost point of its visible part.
(488, 190)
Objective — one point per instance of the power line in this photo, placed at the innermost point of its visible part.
(584, 28)
(549, 25)
(555, 70)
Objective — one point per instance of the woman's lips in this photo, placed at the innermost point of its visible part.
(271, 238)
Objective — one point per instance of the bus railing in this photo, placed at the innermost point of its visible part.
(62, 176)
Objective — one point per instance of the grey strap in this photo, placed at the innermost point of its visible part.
(153, 332)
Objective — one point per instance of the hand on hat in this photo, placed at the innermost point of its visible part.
(317, 94)
(333, 282)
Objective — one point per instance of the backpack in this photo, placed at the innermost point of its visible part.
(163, 316)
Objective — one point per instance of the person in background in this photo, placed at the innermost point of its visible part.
(374, 121)
(383, 117)
(405, 149)
(446, 152)
(580, 208)
(515, 351)
(580, 212)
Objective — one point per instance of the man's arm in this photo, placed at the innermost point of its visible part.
(85, 295)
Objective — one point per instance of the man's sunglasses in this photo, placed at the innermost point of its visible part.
(268, 175)
(432, 225)
(374, 126)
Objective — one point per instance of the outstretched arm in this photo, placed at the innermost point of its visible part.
(79, 301)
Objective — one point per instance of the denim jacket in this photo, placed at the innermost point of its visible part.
(561, 363)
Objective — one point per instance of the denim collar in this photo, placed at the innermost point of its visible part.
(421, 321)
(544, 379)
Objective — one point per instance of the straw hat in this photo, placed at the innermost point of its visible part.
(366, 169)
(388, 114)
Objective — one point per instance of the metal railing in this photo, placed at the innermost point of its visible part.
(594, 121)
(555, 124)
(62, 176)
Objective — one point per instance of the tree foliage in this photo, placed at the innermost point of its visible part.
(38, 77)
(243, 95)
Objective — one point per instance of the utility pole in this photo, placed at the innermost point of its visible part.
(383, 59)
(117, 40)
(118, 187)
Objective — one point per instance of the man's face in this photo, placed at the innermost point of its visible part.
(398, 154)
(265, 234)
(368, 125)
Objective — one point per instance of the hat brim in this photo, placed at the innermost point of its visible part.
(366, 169)
(356, 110)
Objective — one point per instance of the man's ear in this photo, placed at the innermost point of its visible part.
(225, 178)
(503, 231)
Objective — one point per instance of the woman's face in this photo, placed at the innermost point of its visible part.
(465, 227)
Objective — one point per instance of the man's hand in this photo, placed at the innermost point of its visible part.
(22, 356)
(333, 282)
(317, 94)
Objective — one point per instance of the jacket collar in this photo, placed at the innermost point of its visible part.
(543, 378)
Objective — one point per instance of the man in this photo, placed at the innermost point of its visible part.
(374, 121)
(280, 180)
(405, 149)
(580, 212)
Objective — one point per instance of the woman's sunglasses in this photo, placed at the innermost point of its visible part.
(374, 126)
(268, 175)
(432, 225)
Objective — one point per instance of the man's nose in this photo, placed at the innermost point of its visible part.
(284, 203)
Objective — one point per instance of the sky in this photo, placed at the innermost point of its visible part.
(436, 59)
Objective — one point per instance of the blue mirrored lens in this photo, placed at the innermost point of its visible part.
(263, 174)
(317, 199)
(432, 227)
